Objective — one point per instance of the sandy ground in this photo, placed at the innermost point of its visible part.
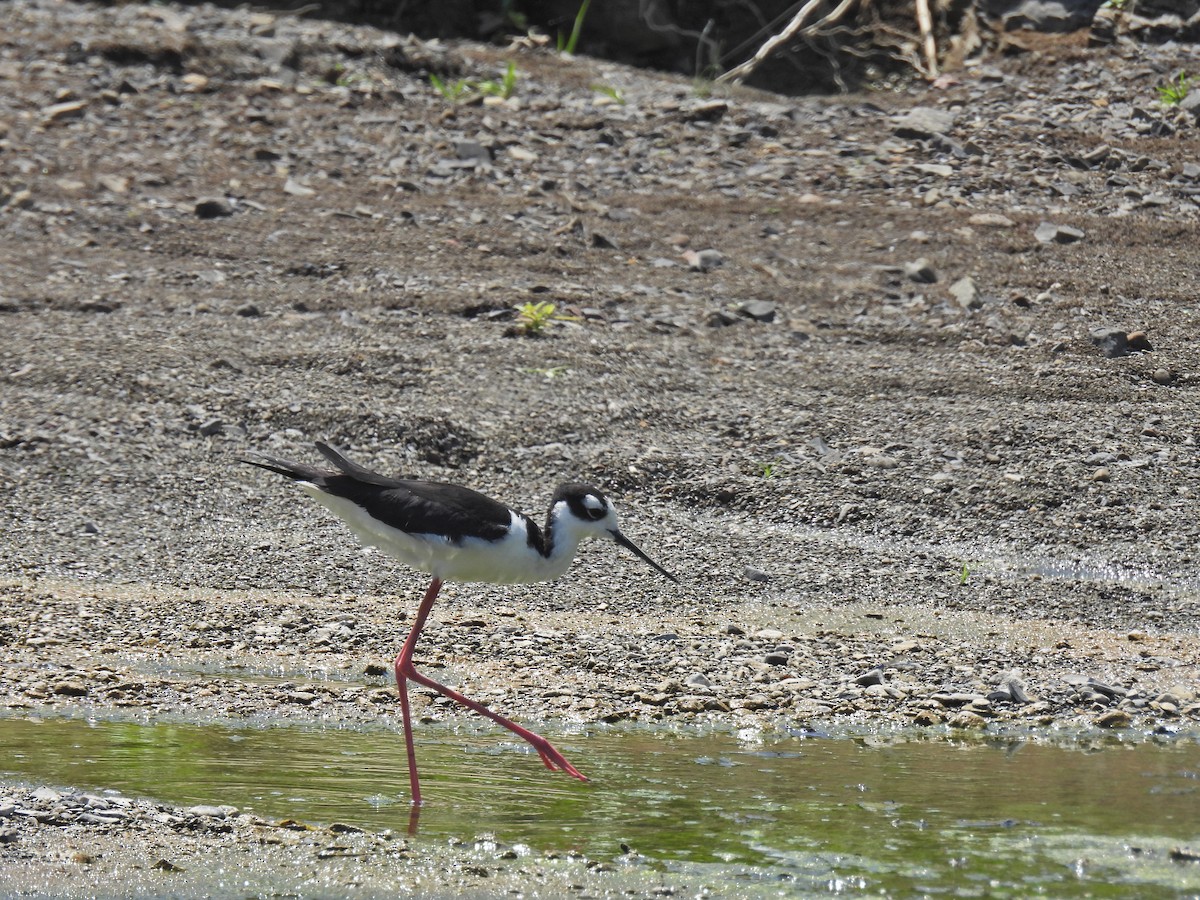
(840, 363)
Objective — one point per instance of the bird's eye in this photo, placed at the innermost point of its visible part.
(594, 507)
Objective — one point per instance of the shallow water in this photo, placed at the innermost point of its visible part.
(898, 814)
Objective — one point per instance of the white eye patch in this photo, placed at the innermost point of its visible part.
(594, 505)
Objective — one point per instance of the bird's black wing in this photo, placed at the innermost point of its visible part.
(414, 507)
(427, 507)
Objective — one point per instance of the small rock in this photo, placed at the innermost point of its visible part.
(758, 701)
(1163, 376)
(967, 719)
(114, 184)
(213, 208)
(1049, 233)
(1138, 340)
(920, 271)
(990, 220)
(1113, 342)
(703, 260)
(1108, 690)
(71, 109)
(296, 189)
(71, 687)
(249, 311)
(775, 658)
(473, 150)
(922, 123)
(708, 111)
(758, 310)
(1114, 718)
(966, 293)
(956, 699)
(926, 718)
(752, 574)
(734, 629)
(874, 676)
(212, 812)
(697, 679)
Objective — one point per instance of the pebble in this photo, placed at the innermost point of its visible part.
(703, 260)
(212, 812)
(923, 123)
(758, 310)
(873, 677)
(966, 293)
(991, 220)
(213, 208)
(967, 719)
(1113, 342)
(1114, 718)
(1049, 233)
(920, 271)
(1163, 375)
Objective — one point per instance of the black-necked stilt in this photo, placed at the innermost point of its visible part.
(456, 534)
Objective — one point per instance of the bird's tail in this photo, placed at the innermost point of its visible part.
(346, 467)
(288, 469)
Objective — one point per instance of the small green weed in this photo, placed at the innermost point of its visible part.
(568, 45)
(463, 90)
(614, 94)
(534, 317)
(769, 469)
(1173, 92)
(452, 91)
(964, 574)
(504, 88)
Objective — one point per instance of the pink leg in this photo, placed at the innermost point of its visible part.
(405, 670)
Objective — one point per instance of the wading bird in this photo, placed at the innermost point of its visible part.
(456, 534)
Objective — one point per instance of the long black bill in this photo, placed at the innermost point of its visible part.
(630, 545)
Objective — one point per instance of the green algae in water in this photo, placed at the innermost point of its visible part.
(1007, 818)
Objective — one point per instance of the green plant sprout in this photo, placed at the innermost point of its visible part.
(534, 317)
(568, 45)
(964, 574)
(503, 88)
(1173, 92)
(451, 91)
(769, 469)
(614, 94)
(464, 89)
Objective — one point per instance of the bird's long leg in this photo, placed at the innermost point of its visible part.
(552, 759)
(403, 665)
(413, 780)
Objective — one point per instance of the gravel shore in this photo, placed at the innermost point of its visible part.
(901, 385)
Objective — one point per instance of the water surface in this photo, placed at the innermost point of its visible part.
(898, 814)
